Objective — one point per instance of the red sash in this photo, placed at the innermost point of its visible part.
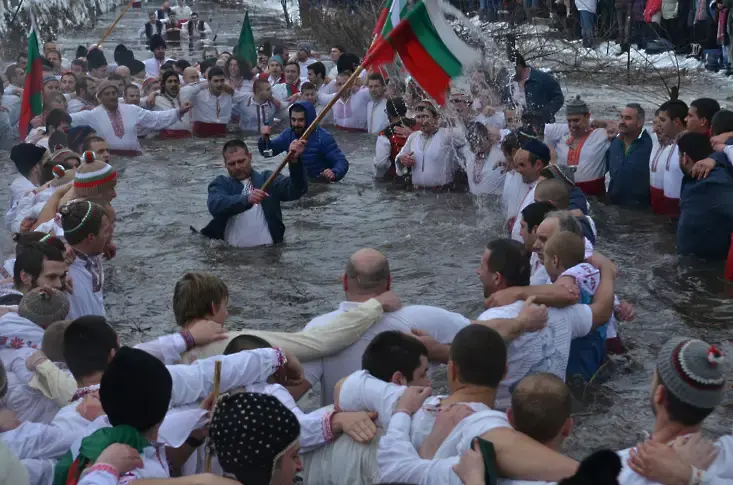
(125, 153)
(174, 134)
(209, 129)
(671, 207)
(593, 187)
(657, 200)
(351, 130)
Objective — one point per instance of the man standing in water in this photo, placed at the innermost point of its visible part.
(530, 160)
(627, 160)
(700, 115)
(244, 215)
(158, 48)
(323, 159)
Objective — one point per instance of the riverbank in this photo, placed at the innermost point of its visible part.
(53, 17)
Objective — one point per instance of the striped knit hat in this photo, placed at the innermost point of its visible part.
(93, 177)
(43, 306)
(692, 371)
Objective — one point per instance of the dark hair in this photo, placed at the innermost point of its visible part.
(722, 122)
(10, 71)
(396, 107)
(47, 168)
(681, 412)
(168, 65)
(479, 353)
(91, 139)
(298, 108)
(706, 108)
(519, 60)
(209, 63)
(535, 213)
(215, 71)
(29, 260)
(393, 351)
(56, 117)
(261, 82)
(46, 64)
(278, 50)
(676, 109)
(339, 47)
(695, 145)
(540, 406)
(291, 63)
(182, 64)
(165, 77)
(318, 68)
(640, 114)
(20, 55)
(82, 83)
(80, 219)
(510, 143)
(509, 259)
(232, 144)
(27, 239)
(303, 87)
(246, 342)
(135, 86)
(87, 344)
(115, 77)
(375, 76)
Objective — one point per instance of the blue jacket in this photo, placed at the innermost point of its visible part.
(706, 213)
(226, 200)
(321, 151)
(577, 200)
(543, 94)
(629, 171)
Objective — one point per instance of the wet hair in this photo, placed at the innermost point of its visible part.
(535, 213)
(393, 351)
(318, 68)
(195, 294)
(231, 145)
(479, 353)
(566, 222)
(681, 412)
(82, 83)
(706, 108)
(553, 190)
(640, 114)
(241, 343)
(21, 55)
(215, 71)
(568, 247)
(88, 342)
(375, 76)
(541, 404)
(722, 122)
(92, 139)
(676, 110)
(29, 260)
(53, 340)
(476, 131)
(695, 145)
(509, 258)
(56, 117)
(80, 219)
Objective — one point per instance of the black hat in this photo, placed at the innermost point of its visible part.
(126, 58)
(538, 149)
(96, 59)
(119, 52)
(135, 389)
(136, 67)
(347, 61)
(396, 107)
(157, 41)
(26, 156)
(81, 51)
(250, 432)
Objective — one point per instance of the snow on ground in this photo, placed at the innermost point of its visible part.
(54, 16)
(293, 8)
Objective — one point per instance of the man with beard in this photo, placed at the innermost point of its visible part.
(706, 218)
(212, 104)
(118, 123)
(627, 160)
(244, 215)
(39, 264)
(85, 99)
(168, 99)
(157, 47)
(323, 159)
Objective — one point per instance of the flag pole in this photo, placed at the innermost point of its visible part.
(111, 27)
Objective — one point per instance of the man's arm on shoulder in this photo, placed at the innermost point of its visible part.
(549, 295)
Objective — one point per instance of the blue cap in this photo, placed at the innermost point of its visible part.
(538, 149)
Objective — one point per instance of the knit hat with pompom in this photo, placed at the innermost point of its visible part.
(93, 177)
(43, 306)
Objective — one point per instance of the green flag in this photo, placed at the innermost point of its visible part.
(245, 48)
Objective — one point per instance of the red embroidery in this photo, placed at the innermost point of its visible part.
(574, 153)
(117, 124)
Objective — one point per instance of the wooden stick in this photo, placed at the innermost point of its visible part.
(111, 27)
(217, 385)
(309, 131)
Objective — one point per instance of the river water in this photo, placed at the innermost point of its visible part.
(433, 242)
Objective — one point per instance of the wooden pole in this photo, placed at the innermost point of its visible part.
(217, 385)
(309, 131)
(111, 27)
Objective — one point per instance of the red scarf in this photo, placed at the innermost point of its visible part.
(293, 88)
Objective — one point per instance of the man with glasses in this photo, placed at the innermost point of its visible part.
(431, 153)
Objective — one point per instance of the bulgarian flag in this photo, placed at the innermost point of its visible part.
(32, 104)
(427, 45)
(392, 12)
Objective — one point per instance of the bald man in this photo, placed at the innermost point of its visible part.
(124, 71)
(190, 76)
(367, 273)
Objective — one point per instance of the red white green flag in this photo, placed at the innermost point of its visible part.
(392, 12)
(32, 104)
(427, 45)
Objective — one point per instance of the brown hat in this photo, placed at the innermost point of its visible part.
(93, 177)
(43, 306)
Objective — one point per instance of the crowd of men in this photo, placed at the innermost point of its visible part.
(78, 407)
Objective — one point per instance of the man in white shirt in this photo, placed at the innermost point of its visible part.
(158, 48)
(317, 77)
(377, 119)
(244, 215)
(529, 161)
(28, 159)
(258, 109)
(336, 52)
(431, 153)
(303, 56)
(349, 112)
(182, 11)
(366, 275)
